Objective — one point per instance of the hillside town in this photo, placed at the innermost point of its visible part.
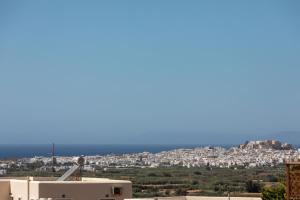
(250, 154)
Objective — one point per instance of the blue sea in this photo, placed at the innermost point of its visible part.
(25, 151)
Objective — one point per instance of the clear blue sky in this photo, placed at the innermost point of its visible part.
(177, 72)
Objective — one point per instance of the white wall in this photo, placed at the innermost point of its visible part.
(34, 190)
(19, 189)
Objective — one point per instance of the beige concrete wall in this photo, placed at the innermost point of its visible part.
(91, 189)
(19, 189)
(4, 189)
(84, 190)
(33, 190)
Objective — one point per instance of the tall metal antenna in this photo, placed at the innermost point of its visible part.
(53, 157)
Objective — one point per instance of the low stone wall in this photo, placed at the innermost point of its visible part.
(198, 198)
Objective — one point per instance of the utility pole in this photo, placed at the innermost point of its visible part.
(53, 157)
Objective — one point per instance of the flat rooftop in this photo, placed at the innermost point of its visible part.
(53, 180)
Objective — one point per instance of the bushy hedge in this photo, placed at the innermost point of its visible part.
(273, 193)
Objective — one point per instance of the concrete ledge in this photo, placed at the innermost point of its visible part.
(197, 198)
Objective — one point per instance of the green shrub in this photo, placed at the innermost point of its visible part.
(181, 192)
(152, 174)
(198, 173)
(272, 178)
(167, 174)
(195, 182)
(273, 193)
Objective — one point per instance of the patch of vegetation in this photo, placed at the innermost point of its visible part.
(273, 193)
(172, 181)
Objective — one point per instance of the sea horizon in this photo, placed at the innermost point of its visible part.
(16, 151)
(9, 151)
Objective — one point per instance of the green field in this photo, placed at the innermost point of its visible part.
(149, 182)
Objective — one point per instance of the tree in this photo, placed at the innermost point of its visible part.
(253, 186)
(195, 182)
(167, 174)
(152, 174)
(197, 173)
(181, 192)
(208, 166)
(272, 178)
(167, 192)
(273, 193)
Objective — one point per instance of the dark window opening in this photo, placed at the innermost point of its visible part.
(117, 191)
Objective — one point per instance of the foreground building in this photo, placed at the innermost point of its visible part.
(292, 185)
(38, 188)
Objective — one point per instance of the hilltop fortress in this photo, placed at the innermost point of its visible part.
(266, 144)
